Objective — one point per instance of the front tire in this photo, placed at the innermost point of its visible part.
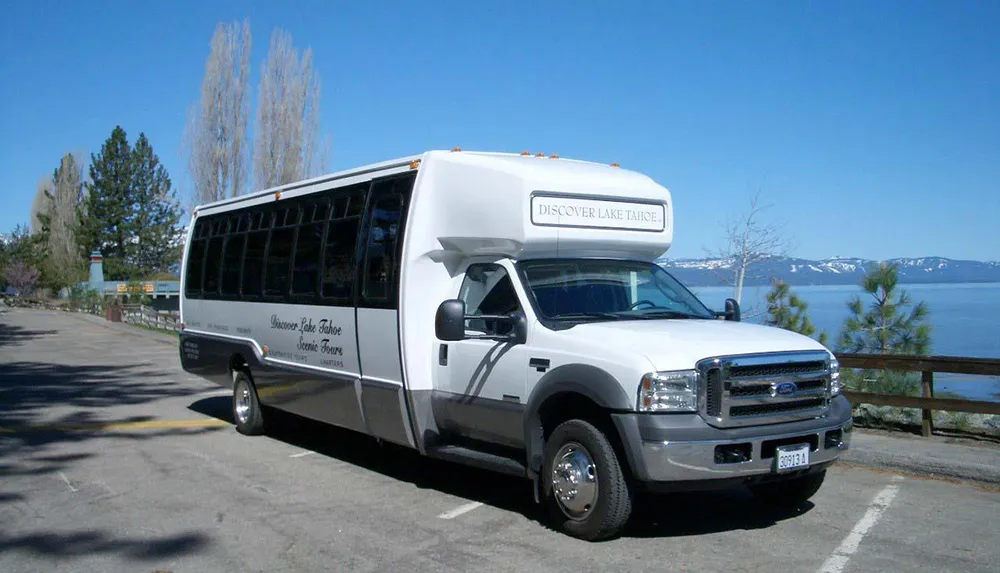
(246, 405)
(790, 493)
(584, 486)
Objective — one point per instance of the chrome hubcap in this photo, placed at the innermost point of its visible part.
(574, 481)
(242, 402)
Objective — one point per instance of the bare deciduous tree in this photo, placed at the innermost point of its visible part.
(67, 187)
(287, 115)
(748, 242)
(216, 139)
(40, 204)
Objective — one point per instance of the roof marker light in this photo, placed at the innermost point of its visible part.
(414, 164)
(277, 195)
(539, 154)
(525, 153)
(456, 148)
(554, 156)
(615, 164)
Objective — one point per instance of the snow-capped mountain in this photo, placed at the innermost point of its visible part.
(832, 271)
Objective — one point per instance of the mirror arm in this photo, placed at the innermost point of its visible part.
(488, 317)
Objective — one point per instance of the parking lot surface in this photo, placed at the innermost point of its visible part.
(114, 459)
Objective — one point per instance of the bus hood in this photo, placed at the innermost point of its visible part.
(677, 344)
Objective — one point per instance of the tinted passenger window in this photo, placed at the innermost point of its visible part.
(487, 289)
(196, 259)
(213, 262)
(338, 265)
(306, 273)
(232, 260)
(380, 257)
(279, 256)
(253, 263)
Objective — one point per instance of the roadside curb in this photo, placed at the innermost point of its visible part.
(925, 457)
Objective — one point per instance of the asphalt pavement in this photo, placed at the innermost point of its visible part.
(114, 459)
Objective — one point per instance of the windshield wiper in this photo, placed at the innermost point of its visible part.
(670, 314)
(611, 315)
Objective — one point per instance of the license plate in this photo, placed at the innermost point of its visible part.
(792, 457)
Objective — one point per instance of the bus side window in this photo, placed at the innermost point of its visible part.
(195, 262)
(338, 260)
(305, 273)
(253, 260)
(279, 253)
(380, 257)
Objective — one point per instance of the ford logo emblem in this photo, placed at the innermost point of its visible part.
(785, 389)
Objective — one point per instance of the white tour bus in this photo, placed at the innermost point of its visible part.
(505, 311)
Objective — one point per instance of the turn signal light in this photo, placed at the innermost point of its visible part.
(263, 350)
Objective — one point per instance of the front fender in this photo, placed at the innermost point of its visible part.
(591, 382)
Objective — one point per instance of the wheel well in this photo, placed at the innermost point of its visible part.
(237, 362)
(564, 406)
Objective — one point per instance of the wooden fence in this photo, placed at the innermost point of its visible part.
(150, 317)
(927, 366)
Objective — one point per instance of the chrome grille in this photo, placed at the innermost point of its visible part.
(747, 390)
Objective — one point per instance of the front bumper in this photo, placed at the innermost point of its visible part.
(667, 449)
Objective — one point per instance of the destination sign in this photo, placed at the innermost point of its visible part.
(597, 213)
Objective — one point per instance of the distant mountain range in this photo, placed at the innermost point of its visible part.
(833, 271)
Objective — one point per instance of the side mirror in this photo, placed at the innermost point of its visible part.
(520, 332)
(732, 310)
(449, 323)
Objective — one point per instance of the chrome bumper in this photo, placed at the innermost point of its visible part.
(673, 461)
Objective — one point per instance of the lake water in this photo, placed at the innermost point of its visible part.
(965, 319)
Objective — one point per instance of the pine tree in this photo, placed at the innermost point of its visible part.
(105, 213)
(155, 214)
(786, 310)
(891, 324)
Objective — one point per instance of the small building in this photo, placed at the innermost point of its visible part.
(163, 295)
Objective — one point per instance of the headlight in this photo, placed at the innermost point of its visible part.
(669, 392)
(834, 377)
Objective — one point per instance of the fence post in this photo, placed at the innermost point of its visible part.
(927, 391)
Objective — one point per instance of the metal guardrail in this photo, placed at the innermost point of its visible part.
(927, 366)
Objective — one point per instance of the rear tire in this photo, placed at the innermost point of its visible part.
(789, 493)
(583, 485)
(246, 405)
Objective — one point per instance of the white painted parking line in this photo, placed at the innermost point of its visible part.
(68, 484)
(302, 454)
(465, 508)
(849, 546)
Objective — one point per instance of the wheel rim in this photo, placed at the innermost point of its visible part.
(242, 402)
(574, 481)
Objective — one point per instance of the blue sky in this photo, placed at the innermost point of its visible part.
(873, 128)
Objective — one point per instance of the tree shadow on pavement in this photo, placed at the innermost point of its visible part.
(83, 543)
(54, 416)
(16, 335)
(655, 515)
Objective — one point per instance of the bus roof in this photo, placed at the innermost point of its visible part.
(479, 202)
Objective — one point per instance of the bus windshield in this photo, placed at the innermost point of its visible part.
(588, 289)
